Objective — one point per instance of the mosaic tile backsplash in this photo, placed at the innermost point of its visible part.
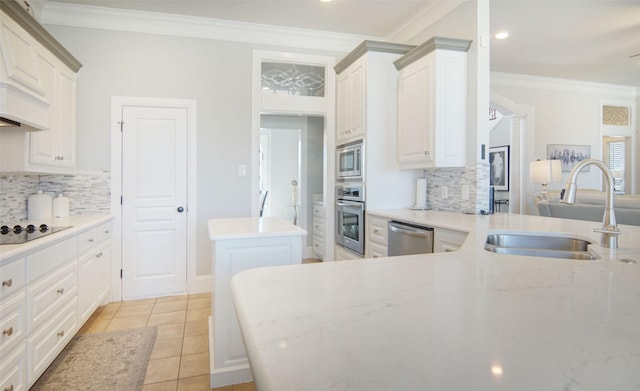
(88, 192)
(476, 176)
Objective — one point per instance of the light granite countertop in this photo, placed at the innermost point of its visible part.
(249, 227)
(463, 320)
(77, 224)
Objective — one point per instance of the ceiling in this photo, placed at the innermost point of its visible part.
(589, 40)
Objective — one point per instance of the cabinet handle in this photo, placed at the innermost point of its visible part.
(61, 333)
(8, 331)
(10, 388)
(7, 283)
(90, 241)
(107, 232)
(99, 255)
(376, 230)
(427, 153)
(60, 291)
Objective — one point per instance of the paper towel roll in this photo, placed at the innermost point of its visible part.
(421, 192)
(60, 206)
(39, 206)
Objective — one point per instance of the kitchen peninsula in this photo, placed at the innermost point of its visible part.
(470, 319)
(239, 244)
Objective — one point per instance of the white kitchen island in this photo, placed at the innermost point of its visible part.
(465, 320)
(239, 244)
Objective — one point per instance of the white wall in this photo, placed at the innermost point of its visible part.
(216, 74)
(565, 112)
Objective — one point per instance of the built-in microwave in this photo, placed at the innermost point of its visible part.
(350, 161)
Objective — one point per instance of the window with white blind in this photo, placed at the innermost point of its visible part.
(616, 163)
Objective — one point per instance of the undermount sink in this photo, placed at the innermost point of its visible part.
(538, 245)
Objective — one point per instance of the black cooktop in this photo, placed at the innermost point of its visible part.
(19, 234)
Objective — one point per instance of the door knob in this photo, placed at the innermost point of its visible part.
(180, 209)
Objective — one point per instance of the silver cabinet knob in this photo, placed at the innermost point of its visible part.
(180, 209)
(7, 283)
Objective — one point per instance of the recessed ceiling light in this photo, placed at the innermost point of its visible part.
(502, 35)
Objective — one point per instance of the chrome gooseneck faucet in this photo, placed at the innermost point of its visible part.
(609, 231)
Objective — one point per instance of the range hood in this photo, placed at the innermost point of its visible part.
(9, 123)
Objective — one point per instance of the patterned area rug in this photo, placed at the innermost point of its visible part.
(106, 361)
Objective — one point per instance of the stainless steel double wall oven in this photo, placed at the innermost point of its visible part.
(350, 208)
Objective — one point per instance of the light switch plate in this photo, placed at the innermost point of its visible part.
(242, 170)
(465, 192)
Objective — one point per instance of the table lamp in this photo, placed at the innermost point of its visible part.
(545, 172)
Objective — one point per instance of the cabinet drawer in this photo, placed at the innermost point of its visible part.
(47, 295)
(378, 230)
(93, 237)
(318, 225)
(12, 278)
(446, 240)
(13, 370)
(44, 345)
(12, 322)
(318, 210)
(377, 250)
(44, 261)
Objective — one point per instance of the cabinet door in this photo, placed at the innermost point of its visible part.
(351, 102)
(56, 148)
(13, 370)
(415, 113)
(447, 240)
(357, 76)
(66, 123)
(20, 55)
(343, 107)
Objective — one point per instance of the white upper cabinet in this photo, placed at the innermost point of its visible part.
(23, 74)
(54, 150)
(432, 104)
(37, 89)
(351, 111)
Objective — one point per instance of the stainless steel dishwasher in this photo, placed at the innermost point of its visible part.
(406, 239)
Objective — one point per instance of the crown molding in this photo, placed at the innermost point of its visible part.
(25, 20)
(558, 84)
(92, 17)
(371, 46)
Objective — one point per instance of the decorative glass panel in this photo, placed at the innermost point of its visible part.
(615, 115)
(292, 79)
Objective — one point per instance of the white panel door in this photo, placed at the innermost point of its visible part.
(154, 190)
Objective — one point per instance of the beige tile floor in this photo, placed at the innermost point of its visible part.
(180, 357)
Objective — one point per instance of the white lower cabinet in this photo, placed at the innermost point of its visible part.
(318, 229)
(376, 241)
(344, 254)
(41, 296)
(447, 240)
(13, 369)
(45, 297)
(49, 340)
(94, 268)
(12, 322)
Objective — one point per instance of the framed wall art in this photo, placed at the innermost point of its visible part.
(499, 167)
(569, 155)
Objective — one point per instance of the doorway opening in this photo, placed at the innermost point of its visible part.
(291, 167)
(292, 151)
